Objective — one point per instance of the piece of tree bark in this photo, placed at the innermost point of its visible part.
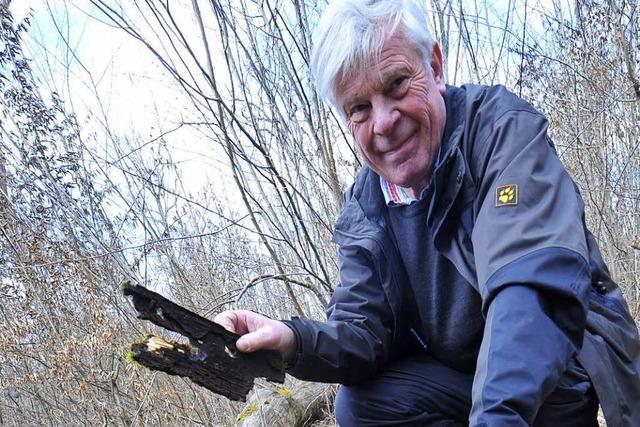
(285, 406)
(210, 359)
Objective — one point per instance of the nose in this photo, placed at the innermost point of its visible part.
(385, 117)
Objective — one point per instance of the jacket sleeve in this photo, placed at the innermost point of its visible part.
(531, 260)
(354, 341)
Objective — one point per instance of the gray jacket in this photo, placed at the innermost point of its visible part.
(508, 216)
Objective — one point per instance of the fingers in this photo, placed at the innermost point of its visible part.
(227, 319)
(240, 321)
(258, 332)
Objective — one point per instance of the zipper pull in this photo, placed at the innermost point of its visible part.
(420, 340)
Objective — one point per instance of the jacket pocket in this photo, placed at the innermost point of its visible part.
(574, 386)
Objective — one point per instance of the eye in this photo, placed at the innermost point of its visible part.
(399, 81)
(399, 86)
(358, 112)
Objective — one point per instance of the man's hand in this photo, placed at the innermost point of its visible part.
(258, 332)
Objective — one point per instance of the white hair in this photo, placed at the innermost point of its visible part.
(351, 33)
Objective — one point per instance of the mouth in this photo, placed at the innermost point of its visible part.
(399, 148)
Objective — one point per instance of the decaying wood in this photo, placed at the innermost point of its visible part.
(210, 359)
(290, 406)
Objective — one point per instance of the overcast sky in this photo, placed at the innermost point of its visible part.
(137, 98)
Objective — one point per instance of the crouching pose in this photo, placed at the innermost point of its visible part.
(471, 292)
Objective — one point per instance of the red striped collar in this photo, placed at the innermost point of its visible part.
(394, 195)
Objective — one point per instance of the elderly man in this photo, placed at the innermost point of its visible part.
(470, 292)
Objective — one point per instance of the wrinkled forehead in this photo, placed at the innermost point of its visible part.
(366, 69)
(370, 71)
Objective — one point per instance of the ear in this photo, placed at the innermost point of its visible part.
(437, 67)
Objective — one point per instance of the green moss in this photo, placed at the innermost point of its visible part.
(124, 284)
(130, 357)
(131, 354)
(248, 411)
(285, 392)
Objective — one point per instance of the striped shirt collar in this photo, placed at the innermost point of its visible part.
(394, 195)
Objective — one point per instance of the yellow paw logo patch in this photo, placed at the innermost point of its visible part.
(507, 195)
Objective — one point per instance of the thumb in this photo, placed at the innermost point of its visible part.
(253, 341)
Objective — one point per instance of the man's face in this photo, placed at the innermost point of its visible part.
(396, 113)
